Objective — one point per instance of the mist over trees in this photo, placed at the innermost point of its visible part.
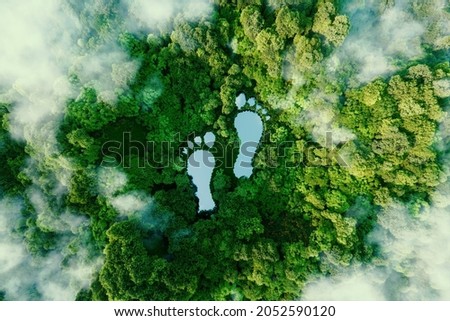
(360, 129)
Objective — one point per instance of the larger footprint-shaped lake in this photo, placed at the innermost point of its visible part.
(249, 126)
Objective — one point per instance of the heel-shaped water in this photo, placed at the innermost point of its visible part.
(200, 167)
(249, 127)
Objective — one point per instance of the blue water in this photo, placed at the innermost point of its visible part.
(240, 101)
(200, 167)
(201, 163)
(250, 129)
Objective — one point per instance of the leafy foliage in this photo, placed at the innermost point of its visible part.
(296, 216)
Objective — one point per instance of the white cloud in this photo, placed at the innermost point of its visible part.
(32, 43)
(33, 60)
(152, 15)
(54, 276)
(110, 180)
(152, 12)
(131, 203)
(378, 38)
(11, 255)
(108, 69)
(415, 255)
(442, 88)
(319, 117)
(48, 219)
(400, 33)
(356, 286)
(41, 44)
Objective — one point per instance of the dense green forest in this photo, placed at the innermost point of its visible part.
(336, 152)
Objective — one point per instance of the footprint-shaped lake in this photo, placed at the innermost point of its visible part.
(201, 163)
(200, 167)
(249, 126)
